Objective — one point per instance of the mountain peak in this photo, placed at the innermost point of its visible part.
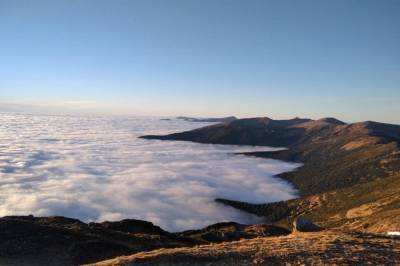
(331, 120)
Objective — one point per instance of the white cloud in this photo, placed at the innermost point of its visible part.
(95, 168)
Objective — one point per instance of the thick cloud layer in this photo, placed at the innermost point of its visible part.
(95, 169)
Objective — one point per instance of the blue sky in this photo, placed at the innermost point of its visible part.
(205, 58)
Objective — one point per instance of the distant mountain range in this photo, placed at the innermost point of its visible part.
(210, 120)
(335, 154)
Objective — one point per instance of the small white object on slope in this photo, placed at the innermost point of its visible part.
(393, 233)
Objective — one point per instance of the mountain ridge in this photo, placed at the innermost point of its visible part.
(335, 154)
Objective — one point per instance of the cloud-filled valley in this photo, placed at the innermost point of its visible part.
(96, 169)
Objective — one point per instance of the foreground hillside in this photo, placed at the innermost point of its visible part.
(317, 248)
(28, 240)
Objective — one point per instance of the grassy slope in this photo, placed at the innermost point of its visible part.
(370, 207)
(319, 248)
(328, 166)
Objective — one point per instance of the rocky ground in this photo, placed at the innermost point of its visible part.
(329, 247)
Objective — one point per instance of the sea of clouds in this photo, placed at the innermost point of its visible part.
(96, 169)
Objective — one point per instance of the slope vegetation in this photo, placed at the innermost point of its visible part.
(372, 207)
(318, 248)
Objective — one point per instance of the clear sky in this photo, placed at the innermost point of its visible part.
(207, 58)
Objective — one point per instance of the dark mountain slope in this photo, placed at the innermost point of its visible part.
(335, 154)
(288, 133)
(250, 131)
(28, 240)
(231, 231)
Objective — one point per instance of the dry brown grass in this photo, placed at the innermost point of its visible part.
(359, 143)
(331, 247)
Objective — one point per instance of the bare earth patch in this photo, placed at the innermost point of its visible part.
(358, 143)
(363, 210)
